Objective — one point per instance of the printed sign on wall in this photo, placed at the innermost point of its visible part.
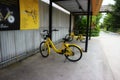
(19, 14)
(29, 15)
(9, 15)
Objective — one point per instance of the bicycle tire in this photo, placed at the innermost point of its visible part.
(11, 19)
(68, 37)
(77, 54)
(43, 49)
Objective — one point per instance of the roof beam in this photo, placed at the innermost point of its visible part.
(80, 13)
(59, 0)
(105, 11)
(80, 7)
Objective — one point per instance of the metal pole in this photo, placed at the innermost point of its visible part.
(88, 18)
(70, 23)
(90, 27)
(50, 19)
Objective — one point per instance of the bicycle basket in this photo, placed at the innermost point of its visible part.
(43, 34)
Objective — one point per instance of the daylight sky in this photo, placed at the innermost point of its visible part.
(106, 2)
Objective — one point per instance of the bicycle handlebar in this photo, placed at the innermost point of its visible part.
(55, 30)
(52, 30)
(45, 31)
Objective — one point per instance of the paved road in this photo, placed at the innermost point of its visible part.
(111, 46)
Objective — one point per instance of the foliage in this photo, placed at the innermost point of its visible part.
(95, 31)
(116, 14)
(108, 21)
(81, 24)
(96, 19)
(111, 21)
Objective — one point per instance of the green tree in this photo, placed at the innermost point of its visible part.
(81, 24)
(108, 22)
(96, 19)
(111, 21)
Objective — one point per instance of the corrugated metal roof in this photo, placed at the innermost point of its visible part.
(79, 6)
(73, 5)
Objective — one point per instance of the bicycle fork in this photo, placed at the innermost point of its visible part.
(68, 51)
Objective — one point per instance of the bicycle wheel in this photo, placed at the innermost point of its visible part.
(43, 49)
(68, 37)
(11, 19)
(77, 53)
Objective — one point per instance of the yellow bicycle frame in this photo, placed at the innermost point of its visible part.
(50, 44)
(79, 37)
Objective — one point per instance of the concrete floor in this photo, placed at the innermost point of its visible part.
(111, 45)
(94, 65)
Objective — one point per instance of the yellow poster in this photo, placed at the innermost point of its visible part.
(29, 14)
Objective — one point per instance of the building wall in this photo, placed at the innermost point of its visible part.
(18, 44)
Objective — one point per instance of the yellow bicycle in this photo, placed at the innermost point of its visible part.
(72, 36)
(8, 17)
(72, 52)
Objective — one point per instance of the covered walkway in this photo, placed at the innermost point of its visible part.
(96, 64)
(23, 42)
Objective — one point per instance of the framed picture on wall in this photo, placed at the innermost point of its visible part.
(9, 15)
(19, 14)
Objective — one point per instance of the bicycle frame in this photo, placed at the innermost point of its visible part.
(49, 44)
(8, 14)
(1, 16)
(72, 52)
(79, 37)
